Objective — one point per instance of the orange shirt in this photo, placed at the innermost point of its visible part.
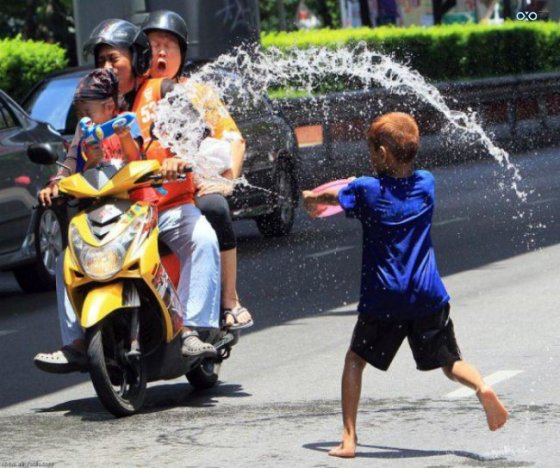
(147, 97)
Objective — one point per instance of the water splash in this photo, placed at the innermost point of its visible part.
(248, 74)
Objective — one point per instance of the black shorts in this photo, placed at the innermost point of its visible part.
(431, 339)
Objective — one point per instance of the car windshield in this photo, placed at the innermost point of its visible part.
(52, 102)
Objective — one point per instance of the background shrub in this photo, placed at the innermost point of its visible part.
(447, 52)
(23, 63)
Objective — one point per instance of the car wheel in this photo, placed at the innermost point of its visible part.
(50, 240)
(280, 221)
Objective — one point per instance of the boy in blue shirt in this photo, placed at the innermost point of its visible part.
(402, 294)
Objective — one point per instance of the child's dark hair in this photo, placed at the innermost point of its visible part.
(397, 131)
(98, 85)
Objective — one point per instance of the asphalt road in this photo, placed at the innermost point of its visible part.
(278, 402)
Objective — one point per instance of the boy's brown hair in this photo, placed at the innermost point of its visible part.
(397, 131)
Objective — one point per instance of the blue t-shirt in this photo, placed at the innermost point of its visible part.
(400, 279)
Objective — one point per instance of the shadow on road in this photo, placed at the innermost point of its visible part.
(384, 452)
(158, 398)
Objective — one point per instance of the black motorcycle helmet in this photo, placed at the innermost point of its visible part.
(125, 35)
(170, 22)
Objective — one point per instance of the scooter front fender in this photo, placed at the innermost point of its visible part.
(107, 298)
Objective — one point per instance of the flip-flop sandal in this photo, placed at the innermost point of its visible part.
(65, 360)
(235, 313)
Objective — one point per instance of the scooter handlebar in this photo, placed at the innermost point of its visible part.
(182, 176)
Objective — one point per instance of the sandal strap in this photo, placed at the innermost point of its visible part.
(237, 311)
(186, 334)
(226, 312)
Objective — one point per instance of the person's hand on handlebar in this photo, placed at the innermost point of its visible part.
(172, 167)
(45, 195)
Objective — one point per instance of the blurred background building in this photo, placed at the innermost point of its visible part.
(214, 26)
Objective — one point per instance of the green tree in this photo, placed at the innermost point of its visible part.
(46, 20)
(328, 12)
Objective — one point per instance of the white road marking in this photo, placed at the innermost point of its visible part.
(7, 332)
(353, 307)
(540, 202)
(492, 379)
(450, 221)
(330, 251)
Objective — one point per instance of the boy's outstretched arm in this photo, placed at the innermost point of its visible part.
(311, 200)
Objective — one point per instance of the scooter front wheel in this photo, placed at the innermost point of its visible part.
(119, 379)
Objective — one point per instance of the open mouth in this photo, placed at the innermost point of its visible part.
(161, 65)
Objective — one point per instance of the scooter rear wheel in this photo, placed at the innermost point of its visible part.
(205, 375)
(119, 381)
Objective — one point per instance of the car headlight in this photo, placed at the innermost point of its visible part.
(104, 262)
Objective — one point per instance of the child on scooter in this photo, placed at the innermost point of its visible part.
(97, 98)
(402, 294)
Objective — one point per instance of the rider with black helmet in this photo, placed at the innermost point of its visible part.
(157, 26)
(168, 35)
(122, 46)
(122, 35)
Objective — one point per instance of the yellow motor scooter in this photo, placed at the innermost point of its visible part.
(120, 286)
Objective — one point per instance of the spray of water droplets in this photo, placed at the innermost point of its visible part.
(250, 73)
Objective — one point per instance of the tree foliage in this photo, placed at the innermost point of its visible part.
(327, 11)
(46, 20)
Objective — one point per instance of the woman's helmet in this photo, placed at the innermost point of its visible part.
(124, 35)
(170, 22)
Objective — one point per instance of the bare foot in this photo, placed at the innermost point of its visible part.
(346, 449)
(496, 412)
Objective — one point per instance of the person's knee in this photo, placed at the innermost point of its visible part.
(352, 359)
(448, 372)
(215, 208)
(204, 237)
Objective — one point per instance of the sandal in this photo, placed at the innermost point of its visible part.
(65, 360)
(193, 346)
(235, 313)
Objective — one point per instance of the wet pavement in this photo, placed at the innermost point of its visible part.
(278, 401)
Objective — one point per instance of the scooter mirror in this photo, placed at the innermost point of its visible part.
(42, 153)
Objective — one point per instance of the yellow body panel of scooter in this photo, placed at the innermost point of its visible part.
(100, 302)
(94, 299)
(106, 298)
(125, 180)
(80, 222)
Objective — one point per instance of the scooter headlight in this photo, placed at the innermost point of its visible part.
(101, 263)
(104, 262)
